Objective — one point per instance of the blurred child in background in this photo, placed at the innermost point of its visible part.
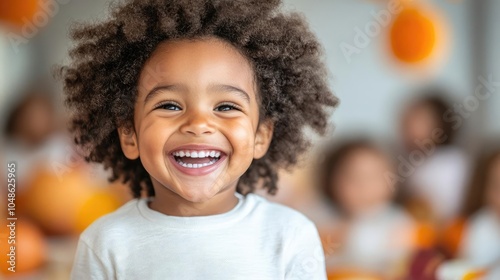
(371, 234)
(33, 133)
(436, 169)
(32, 121)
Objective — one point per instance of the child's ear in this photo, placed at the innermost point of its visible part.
(128, 141)
(263, 138)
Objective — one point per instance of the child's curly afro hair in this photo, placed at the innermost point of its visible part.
(100, 83)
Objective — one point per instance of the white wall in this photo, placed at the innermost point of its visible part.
(493, 65)
(370, 87)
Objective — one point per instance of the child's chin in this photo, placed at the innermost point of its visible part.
(198, 193)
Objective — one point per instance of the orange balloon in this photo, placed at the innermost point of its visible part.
(30, 251)
(17, 12)
(413, 35)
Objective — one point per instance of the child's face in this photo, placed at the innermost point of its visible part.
(360, 184)
(418, 124)
(197, 98)
(36, 121)
(493, 186)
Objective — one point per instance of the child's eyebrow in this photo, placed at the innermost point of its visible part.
(211, 88)
(156, 90)
(229, 88)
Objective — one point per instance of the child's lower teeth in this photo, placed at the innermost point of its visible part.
(196, 165)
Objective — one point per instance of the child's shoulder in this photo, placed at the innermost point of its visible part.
(113, 224)
(280, 222)
(278, 213)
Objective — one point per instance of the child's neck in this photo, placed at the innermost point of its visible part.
(170, 203)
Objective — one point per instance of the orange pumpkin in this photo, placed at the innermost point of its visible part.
(30, 247)
(69, 203)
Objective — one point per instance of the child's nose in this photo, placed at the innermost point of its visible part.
(197, 123)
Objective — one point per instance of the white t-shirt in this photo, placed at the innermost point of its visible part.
(256, 240)
(377, 241)
(441, 181)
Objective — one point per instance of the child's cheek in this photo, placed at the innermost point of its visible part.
(241, 136)
(152, 140)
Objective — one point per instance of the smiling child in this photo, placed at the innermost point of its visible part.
(196, 104)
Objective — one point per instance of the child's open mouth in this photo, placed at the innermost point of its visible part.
(196, 159)
(197, 162)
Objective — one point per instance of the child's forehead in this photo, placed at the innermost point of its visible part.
(211, 46)
(195, 59)
(368, 157)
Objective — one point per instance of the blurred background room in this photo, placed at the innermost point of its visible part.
(406, 185)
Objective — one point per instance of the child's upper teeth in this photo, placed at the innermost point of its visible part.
(197, 154)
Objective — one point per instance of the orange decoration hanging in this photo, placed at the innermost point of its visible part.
(413, 35)
(17, 13)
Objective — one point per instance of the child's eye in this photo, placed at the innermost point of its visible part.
(171, 106)
(227, 107)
